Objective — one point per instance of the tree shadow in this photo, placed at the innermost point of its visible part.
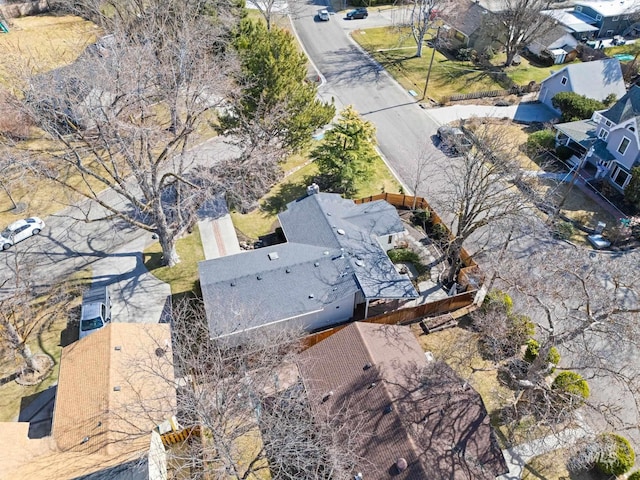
(286, 193)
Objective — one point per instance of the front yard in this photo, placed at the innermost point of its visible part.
(394, 48)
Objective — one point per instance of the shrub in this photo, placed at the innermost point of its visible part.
(563, 230)
(575, 107)
(634, 476)
(399, 255)
(522, 326)
(421, 218)
(498, 298)
(541, 141)
(533, 349)
(632, 191)
(553, 356)
(563, 152)
(617, 456)
(439, 232)
(572, 383)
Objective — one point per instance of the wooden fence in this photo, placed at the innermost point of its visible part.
(515, 90)
(171, 438)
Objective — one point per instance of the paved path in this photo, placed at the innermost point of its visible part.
(218, 237)
(522, 112)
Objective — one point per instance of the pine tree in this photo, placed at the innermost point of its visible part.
(346, 152)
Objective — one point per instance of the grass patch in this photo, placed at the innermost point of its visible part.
(391, 46)
(183, 278)
(50, 340)
(263, 219)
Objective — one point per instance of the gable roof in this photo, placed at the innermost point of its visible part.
(596, 79)
(406, 407)
(570, 19)
(332, 252)
(551, 36)
(608, 8)
(626, 108)
(97, 426)
(466, 17)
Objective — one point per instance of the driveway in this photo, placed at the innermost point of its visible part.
(523, 112)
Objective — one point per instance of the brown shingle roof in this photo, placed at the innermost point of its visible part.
(114, 388)
(404, 406)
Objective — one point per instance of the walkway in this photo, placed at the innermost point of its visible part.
(528, 112)
(218, 237)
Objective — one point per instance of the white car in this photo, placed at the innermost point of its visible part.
(323, 15)
(19, 230)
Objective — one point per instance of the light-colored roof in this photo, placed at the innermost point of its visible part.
(611, 8)
(597, 79)
(579, 131)
(115, 386)
(398, 405)
(569, 19)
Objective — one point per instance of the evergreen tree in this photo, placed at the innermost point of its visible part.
(276, 106)
(346, 152)
(632, 191)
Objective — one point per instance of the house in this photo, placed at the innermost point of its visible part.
(558, 44)
(596, 80)
(465, 25)
(334, 260)
(580, 29)
(113, 391)
(608, 142)
(411, 418)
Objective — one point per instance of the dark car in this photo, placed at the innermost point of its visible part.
(357, 13)
(454, 138)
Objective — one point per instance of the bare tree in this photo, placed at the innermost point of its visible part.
(519, 24)
(127, 111)
(423, 18)
(252, 407)
(480, 191)
(25, 313)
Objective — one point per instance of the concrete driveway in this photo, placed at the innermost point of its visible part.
(523, 112)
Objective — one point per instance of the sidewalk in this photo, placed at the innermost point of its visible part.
(218, 237)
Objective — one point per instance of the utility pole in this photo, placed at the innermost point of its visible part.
(433, 54)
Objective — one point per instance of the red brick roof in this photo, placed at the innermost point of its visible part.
(401, 406)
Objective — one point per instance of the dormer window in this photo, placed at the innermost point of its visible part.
(598, 17)
(624, 144)
(615, 19)
(563, 81)
(579, 8)
(608, 123)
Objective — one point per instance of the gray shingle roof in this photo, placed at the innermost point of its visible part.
(254, 288)
(466, 17)
(579, 131)
(332, 253)
(626, 108)
(596, 79)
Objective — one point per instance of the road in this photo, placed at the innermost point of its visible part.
(406, 132)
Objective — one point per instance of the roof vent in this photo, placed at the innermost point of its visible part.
(117, 348)
(340, 231)
(160, 352)
(327, 396)
(367, 366)
(371, 385)
(288, 270)
(358, 476)
(116, 388)
(259, 277)
(311, 295)
(317, 264)
(233, 284)
(388, 408)
(401, 464)
(359, 262)
(84, 440)
(326, 252)
(313, 189)
(273, 256)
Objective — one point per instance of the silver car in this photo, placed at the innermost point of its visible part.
(19, 230)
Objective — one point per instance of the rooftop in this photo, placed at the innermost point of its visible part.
(596, 79)
(406, 407)
(611, 8)
(571, 20)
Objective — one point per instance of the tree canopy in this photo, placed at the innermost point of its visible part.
(575, 107)
(345, 153)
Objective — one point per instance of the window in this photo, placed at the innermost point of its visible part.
(615, 19)
(623, 145)
(563, 81)
(631, 127)
(620, 177)
(603, 134)
(608, 123)
(609, 33)
(598, 17)
(579, 8)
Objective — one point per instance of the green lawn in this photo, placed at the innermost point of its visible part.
(394, 48)
(263, 219)
(183, 277)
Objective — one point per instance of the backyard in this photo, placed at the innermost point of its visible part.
(394, 48)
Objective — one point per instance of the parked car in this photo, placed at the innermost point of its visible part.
(357, 13)
(95, 312)
(323, 15)
(455, 138)
(19, 230)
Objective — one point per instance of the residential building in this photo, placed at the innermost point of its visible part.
(558, 44)
(334, 261)
(408, 417)
(607, 18)
(596, 80)
(114, 389)
(465, 25)
(608, 142)
(577, 25)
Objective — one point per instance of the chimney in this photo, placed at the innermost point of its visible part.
(313, 189)
(401, 465)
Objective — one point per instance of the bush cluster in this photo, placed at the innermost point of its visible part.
(541, 141)
(572, 383)
(618, 456)
(399, 255)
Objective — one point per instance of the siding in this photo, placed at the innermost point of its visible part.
(631, 155)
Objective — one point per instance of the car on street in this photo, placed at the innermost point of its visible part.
(454, 138)
(19, 230)
(323, 15)
(358, 13)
